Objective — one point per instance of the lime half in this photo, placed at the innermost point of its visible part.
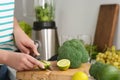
(63, 64)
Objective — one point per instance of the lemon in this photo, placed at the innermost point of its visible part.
(80, 76)
(63, 64)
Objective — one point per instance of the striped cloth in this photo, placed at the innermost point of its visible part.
(6, 24)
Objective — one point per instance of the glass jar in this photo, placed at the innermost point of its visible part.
(44, 10)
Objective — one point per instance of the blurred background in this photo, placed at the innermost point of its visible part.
(73, 17)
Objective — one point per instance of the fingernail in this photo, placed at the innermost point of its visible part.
(43, 67)
(37, 53)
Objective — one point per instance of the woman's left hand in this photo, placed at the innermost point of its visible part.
(23, 42)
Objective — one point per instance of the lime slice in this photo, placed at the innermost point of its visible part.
(63, 64)
(46, 64)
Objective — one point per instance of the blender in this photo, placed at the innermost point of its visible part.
(45, 29)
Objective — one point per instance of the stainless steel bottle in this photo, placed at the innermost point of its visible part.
(45, 28)
(46, 33)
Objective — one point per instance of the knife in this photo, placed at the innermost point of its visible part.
(38, 57)
(37, 43)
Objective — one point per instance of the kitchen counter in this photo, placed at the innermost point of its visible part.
(53, 74)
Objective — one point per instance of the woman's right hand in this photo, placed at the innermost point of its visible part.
(21, 61)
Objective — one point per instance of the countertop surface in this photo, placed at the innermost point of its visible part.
(53, 74)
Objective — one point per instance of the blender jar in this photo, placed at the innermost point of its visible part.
(44, 10)
(45, 29)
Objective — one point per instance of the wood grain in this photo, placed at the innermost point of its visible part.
(106, 26)
(54, 74)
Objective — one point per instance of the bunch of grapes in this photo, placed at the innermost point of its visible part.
(110, 56)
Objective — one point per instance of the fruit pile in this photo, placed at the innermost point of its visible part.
(110, 56)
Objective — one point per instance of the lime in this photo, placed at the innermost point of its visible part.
(80, 76)
(63, 64)
(46, 64)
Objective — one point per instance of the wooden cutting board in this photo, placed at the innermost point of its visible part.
(106, 26)
(54, 74)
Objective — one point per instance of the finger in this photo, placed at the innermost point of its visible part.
(40, 64)
(22, 67)
(34, 49)
(36, 62)
(24, 49)
(26, 67)
(28, 64)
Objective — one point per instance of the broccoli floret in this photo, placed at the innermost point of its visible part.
(75, 51)
(71, 53)
(78, 44)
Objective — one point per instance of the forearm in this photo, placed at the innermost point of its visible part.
(3, 56)
(16, 25)
(17, 28)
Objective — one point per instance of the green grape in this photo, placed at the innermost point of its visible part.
(111, 56)
(115, 63)
(113, 49)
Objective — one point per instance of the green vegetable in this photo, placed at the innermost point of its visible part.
(110, 73)
(75, 51)
(101, 71)
(95, 69)
(46, 64)
(26, 28)
(45, 13)
(92, 50)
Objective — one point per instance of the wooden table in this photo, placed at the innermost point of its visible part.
(54, 74)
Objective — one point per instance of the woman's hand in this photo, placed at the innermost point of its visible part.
(21, 61)
(23, 42)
